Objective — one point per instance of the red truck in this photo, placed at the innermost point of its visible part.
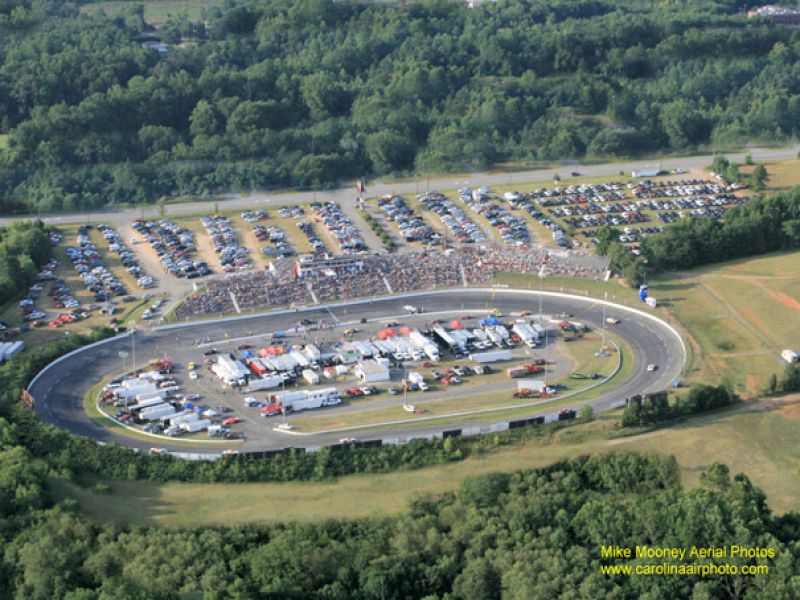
(523, 370)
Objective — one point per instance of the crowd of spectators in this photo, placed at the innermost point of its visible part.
(381, 275)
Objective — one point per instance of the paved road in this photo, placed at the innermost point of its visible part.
(61, 388)
(346, 196)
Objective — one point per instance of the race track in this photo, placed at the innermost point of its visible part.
(59, 389)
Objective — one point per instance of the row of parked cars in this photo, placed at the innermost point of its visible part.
(88, 263)
(411, 225)
(232, 255)
(292, 212)
(511, 228)
(612, 190)
(592, 209)
(461, 227)
(675, 189)
(341, 227)
(250, 216)
(316, 243)
(692, 203)
(612, 220)
(128, 259)
(174, 246)
(275, 236)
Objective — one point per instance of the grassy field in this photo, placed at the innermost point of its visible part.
(738, 315)
(154, 12)
(745, 437)
(783, 174)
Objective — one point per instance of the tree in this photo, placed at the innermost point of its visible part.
(162, 208)
(683, 124)
(389, 151)
(586, 413)
(205, 120)
(773, 383)
(760, 177)
(790, 382)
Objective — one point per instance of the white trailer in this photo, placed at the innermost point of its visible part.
(300, 358)
(313, 399)
(224, 373)
(179, 417)
(289, 397)
(429, 347)
(156, 394)
(13, 349)
(187, 418)
(312, 352)
(265, 383)
(194, 426)
(448, 338)
(480, 334)
(310, 376)
(131, 392)
(495, 337)
(156, 412)
(526, 333)
(491, 356)
(234, 367)
(147, 403)
(415, 377)
(214, 430)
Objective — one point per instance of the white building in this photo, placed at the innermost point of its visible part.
(790, 356)
(370, 371)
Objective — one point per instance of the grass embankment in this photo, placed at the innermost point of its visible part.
(745, 437)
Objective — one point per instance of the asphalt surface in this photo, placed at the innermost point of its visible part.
(60, 389)
(347, 196)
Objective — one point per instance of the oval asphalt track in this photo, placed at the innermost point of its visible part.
(60, 388)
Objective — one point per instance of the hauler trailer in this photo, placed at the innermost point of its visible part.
(139, 389)
(313, 399)
(194, 426)
(265, 383)
(526, 333)
(154, 413)
(429, 347)
(147, 403)
(491, 356)
(234, 368)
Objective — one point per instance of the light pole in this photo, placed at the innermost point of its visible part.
(133, 346)
(123, 355)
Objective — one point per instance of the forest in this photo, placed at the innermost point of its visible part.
(310, 92)
(24, 248)
(528, 534)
